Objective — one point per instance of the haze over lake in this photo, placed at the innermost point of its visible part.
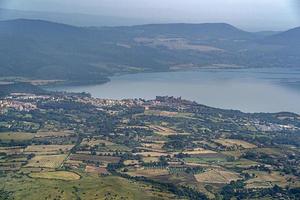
(248, 90)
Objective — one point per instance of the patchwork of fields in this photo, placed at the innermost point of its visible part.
(168, 148)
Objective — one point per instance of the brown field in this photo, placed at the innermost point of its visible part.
(217, 176)
(266, 180)
(48, 149)
(42, 134)
(93, 158)
(58, 175)
(18, 136)
(232, 143)
(148, 172)
(49, 161)
(98, 170)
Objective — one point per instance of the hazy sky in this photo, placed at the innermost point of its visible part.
(247, 14)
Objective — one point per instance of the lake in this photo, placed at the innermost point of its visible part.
(248, 90)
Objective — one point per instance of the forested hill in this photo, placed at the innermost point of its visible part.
(46, 50)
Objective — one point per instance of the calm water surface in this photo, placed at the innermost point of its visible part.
(249, 90)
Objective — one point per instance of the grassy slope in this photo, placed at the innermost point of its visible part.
(89, 187)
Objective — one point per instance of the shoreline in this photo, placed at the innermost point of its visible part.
(44, 83)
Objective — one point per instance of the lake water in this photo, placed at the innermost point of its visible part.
(249, 90)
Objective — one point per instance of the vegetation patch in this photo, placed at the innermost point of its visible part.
(237, 143)
(98, 170)
(217, 176)
(42, 134)
(59, 175)
(198, 151)
(46, 161)
(148, 172)
(89, 187)
(263, 179)
(103, 160)
(48, 149)
(17, 136)
(131, 162)
(206, 158)
(151, 154)
(11, 150)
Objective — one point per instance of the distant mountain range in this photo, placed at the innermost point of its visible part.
(47, 50)
(290, 38)
(75, 19)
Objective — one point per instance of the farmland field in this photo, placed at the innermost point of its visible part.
(42, 134)
(59, 175)
(147, 159)
(93, 158)
(103, 145)
(199, 151)
(232, 143)
(217, 176)
(93, 142)
(148, 172)
(18, 136)
(206, 159)
(266, 180)
(131, 162)
(152, 154)
(46, 161)
(167, 113)
(48, 149)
